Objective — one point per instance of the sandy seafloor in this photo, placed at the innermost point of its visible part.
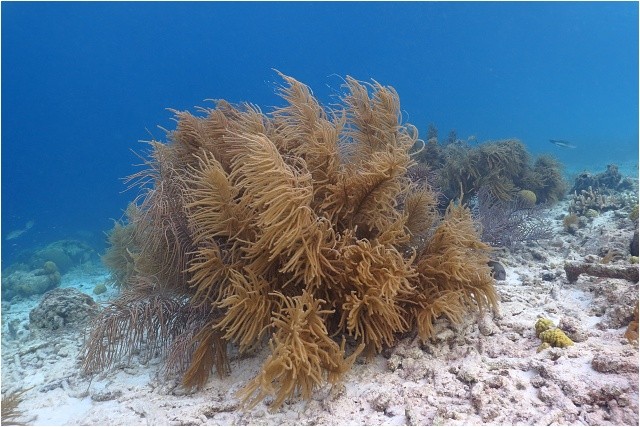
(486, 371)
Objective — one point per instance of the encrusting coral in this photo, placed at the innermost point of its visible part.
(302, 226)
(542, 325)
(550, 335)
(556, 338)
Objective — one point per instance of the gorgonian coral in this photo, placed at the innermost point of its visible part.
(301, 225)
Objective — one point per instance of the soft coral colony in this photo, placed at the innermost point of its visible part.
(300, 228)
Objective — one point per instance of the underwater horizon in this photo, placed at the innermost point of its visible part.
(83, 83)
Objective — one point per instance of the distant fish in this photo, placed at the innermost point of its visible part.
(562, 143)
(17, 233)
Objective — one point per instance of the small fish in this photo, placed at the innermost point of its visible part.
(562, 143)
(17, 233)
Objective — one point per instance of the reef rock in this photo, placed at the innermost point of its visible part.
(611, 179)
(27, 283)
(62, 307)
(65, 253)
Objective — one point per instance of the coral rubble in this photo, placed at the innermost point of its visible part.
(575, 268)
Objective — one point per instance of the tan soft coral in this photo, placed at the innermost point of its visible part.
(303, 356)
(452, 272)
(301, 225)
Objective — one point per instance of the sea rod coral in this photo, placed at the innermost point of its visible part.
(301, 228)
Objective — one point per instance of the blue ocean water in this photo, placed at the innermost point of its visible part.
(82, 83)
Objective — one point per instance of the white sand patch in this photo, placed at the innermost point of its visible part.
(484, 372)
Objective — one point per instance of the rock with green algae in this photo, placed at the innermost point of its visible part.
(51, 270)
(100, 289)
(27, 283)
(50, 267)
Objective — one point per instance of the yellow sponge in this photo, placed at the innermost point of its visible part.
(550, 335)
(556, 338)
(542, 325)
